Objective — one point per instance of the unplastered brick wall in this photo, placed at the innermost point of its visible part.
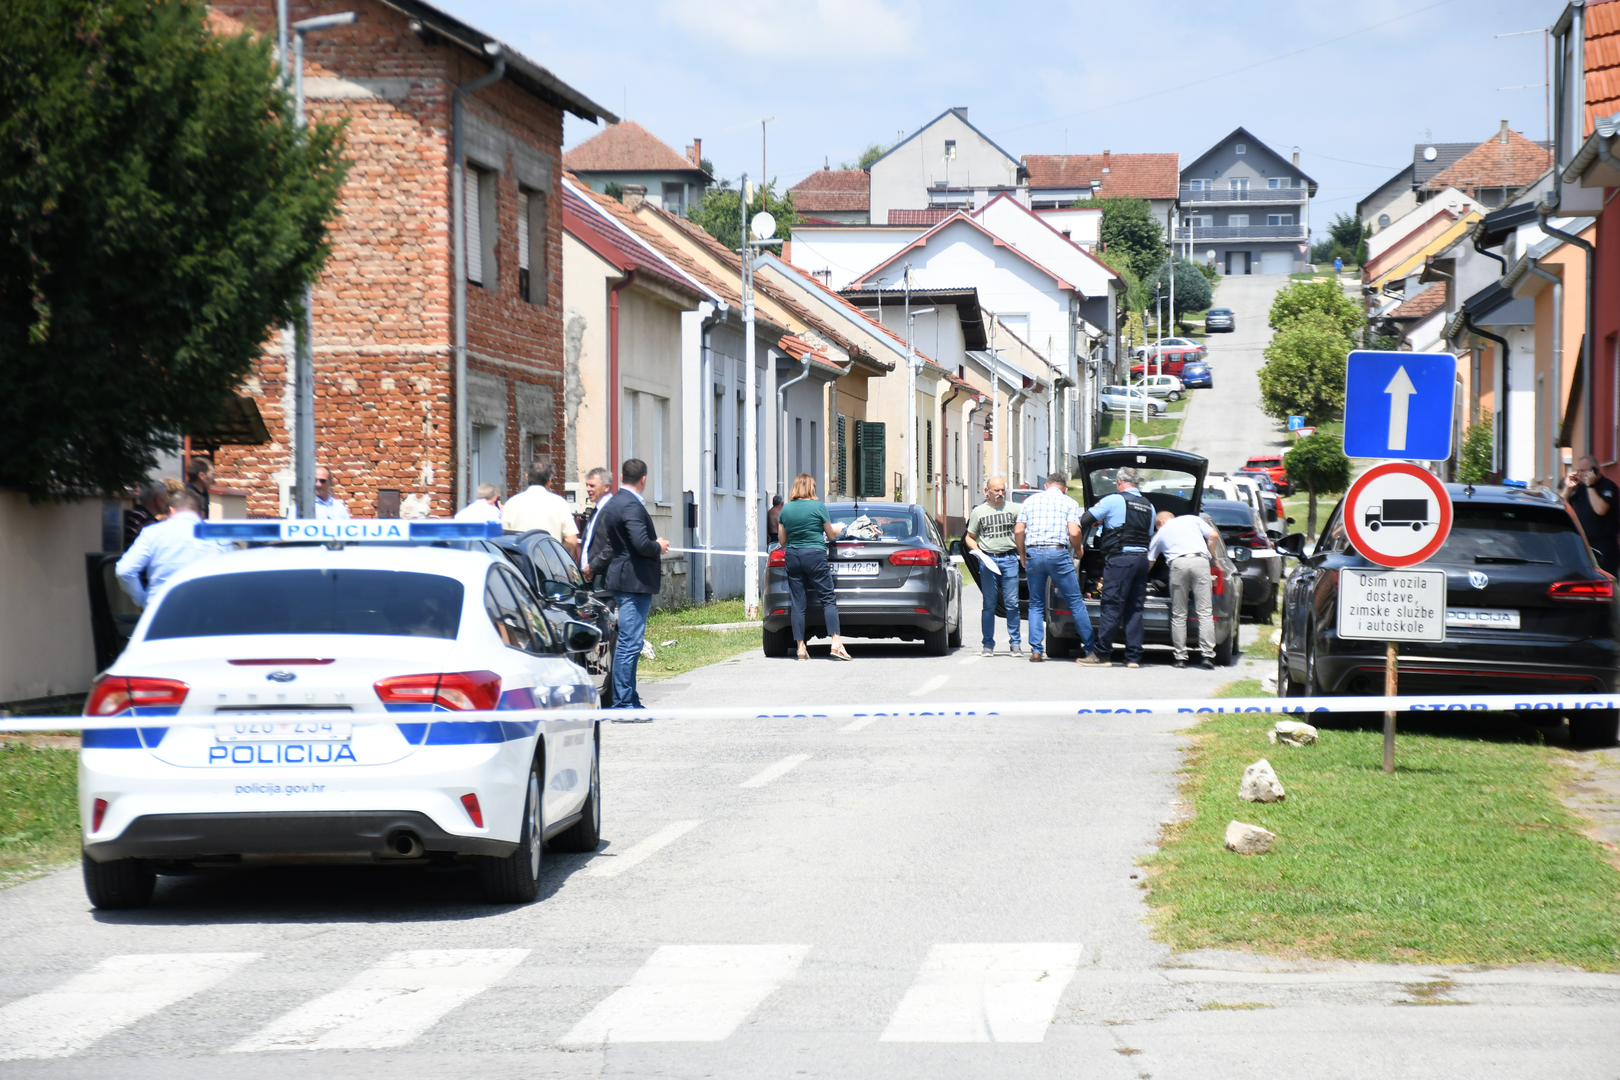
(383, 306)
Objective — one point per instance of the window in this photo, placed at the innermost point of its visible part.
(660, 418)
(1237, 220)
(675, 199)
(627, 426)
(533, 285)
(740, 425)
(840, 456)
(956, 455)
(1276, 182)
(488, 464)
(383, 602)
(1200, 185)
(478, 191)
(718, 422)
(928, 444)
(539, 449)
(507, 614)
(815, 454)
(523, 245)
(950, 149)
(1279, 219)
(1199, 221)
(1237, 183)
(1241, 148)
(1383, 221)
(798, 445)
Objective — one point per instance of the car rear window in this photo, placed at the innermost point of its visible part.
(1483, 534)
(387, 602)
(896, 524)
(1265, 462)
(1224, 512)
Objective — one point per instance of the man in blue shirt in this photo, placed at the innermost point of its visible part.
(1047, 535)
(163, 549)
(1127, 521)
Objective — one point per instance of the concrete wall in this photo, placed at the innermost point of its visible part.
(46, 646)
(901, 179)
(843, 253)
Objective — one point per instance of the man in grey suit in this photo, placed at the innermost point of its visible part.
(628, 561)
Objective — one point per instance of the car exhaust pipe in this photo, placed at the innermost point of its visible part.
(405, 844)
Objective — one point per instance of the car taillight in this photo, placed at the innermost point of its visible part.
(475, 690)
(779, 557)
(98, 814)
(1592, 591)
(914, 557)
(474, 811)
(1255, 540)
(1217, 580)
(113, 694)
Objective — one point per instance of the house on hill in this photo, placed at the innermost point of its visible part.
(1246, 207)
(837, 196)
(1057, 181)
(947, 164)
(630, 156)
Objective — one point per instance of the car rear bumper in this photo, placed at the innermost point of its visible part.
(1520, 667)
(1155, 622)
(365, 835)
(888, 618)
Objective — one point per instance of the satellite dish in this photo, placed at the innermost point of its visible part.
(763, 226)
(1430, 153)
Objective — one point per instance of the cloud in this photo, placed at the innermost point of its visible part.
(842, 30)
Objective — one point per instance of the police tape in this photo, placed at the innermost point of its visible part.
(1038, 709)
(721, 551)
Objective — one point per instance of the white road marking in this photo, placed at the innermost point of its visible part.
(773, 772)
(971, 659)
(856, 725)
(689, 993)
(984, 993)
(607, 866)
(931, 685)
(388, 1004)
(116, 993)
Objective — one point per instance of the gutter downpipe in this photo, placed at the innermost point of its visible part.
(458, 235)
(718, 313)
(941, 497)
(978, 402)
(1557, 353)
(1543, 212)
(781, 412)
(613, 373)
(1499, 452)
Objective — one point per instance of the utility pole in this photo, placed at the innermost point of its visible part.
(766, 224)
(911, 400)
(763, 175)
(995, 386)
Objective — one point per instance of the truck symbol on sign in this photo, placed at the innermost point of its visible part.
(1398, 512)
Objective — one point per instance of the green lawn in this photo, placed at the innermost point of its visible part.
(39, 799)
(1153, 432)
(1465, 855)
(693, 647)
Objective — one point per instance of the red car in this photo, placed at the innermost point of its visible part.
(1272, 466)
(1169, 362)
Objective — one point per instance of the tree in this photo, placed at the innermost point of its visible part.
(614, 190)
(1304, 370)
(1129, 227)
(1135, 297)
(1192, 288)
(1322, 297)
(718, 216)
(1318, 464)
(1474, 460)
(162, 214)
(872, 152)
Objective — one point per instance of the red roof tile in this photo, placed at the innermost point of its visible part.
(586, 215)
(833, 190)
(1424, 303)
(1494, 163)
(1141, 176)
(625, 147)
(919, 217)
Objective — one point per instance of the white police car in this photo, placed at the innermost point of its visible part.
(331, 676)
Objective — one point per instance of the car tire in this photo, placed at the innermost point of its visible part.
(1594, 727)
(777, 642)
(1058, 648)
(118, 884)
(1287, 687)
(1313, 686)
(1175, 395)
(586, 834)
(938, 642)
(954, 639)
(515, 878)
(1225, 651)
(1266, 610)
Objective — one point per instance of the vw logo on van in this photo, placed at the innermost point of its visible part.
(1477, 579)
(281, 676)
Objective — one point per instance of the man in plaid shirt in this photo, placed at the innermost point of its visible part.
(1047, 535)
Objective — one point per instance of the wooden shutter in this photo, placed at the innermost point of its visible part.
(872, 463)
(523, 244)
(473, 256)
(840, 457)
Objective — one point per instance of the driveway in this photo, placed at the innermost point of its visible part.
(1225, 422)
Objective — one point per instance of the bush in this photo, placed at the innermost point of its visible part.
(1474, 460)
(1324, 298)
(1193, 291)
(1317, 463)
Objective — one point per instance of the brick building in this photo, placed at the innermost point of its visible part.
(384, 307)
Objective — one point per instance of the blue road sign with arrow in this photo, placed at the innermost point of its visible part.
(1399, 405)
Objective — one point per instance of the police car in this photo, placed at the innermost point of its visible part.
(325, 683)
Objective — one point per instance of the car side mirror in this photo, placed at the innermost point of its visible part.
(556, 591)
(1289, 520)
(1292, 545)
(582, 597)
(580, 637)
(959, 548)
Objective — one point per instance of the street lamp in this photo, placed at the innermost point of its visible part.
(913, 365)
(762, 227)
(304, 378)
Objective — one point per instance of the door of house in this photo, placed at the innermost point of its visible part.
(1237, 262)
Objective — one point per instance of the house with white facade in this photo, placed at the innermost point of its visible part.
(945, 164)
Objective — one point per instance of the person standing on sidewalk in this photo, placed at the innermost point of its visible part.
(486, 507)
(1187, 544)
(199, 479)
(164, 548)
(1047, 535)
(990, 531)
(538, 507)
(328, 505)
(630, 564)
(598, 489)
(1593, 497)
(1127, 520)
(805, 530)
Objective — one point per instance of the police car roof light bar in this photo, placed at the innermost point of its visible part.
(347, 530)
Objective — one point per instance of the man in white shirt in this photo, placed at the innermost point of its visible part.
(487, 507)
(164, 548)
(327, 505)
(1186, 544)
(537, 507)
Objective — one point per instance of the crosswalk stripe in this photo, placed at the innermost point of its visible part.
(689, 993)
(114, 994)
(984, 993)
(776, 771)
(388, 1004)
(856, 725)
(931, 685)
(608, 864)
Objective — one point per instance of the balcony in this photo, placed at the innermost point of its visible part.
(1197, 233)
(1247, 196)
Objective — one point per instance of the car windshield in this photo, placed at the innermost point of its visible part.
(1229, 515)
(1220, 311)
(1485, 533)
(896, 524)
(1166, 489)
(386, 602)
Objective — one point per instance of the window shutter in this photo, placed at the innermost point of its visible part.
(473, 254)
(929, 471)
(840, 458)
(523, 230)
(872, 465)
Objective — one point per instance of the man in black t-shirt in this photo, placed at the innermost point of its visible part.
(1593, 497)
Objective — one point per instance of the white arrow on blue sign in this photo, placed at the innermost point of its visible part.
(1399, 405)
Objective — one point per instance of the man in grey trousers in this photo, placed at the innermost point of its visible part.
(1187, 543)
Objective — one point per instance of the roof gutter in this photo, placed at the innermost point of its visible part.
(1544, 211)
(1478, 233)
(458, 235)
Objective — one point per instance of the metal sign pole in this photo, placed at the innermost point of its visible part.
(1391, 676)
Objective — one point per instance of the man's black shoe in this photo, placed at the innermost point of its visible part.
(1179, 664)
(1208, 664)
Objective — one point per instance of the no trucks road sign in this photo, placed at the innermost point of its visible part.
(1397, 514)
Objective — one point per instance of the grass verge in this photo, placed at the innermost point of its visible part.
(1465, 855)
(719, 611)
(1154, 432)
(679, 645)
(1241, 688)
(39, 799)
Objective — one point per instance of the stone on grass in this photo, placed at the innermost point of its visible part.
(1246, 839)
(1292, 733)
(1260, 783)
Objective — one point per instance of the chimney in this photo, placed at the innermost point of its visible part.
(694, 153)
(1504, 133)
(961, 110)
(1105, 160)
(633, 196)
(1296, 159)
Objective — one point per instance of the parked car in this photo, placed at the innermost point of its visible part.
(1161, 386)
(1165, 362)
(1527, 611)
(1139, 351)
(1241, 489)
(557, 579)
(1259, 562)
(1268, 489)
(1272, 465)
(1196, 375)
(1220, 320)
(1172, 480)
(1120, 398)
(900, 586)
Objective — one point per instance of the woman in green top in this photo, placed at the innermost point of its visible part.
(805, 529)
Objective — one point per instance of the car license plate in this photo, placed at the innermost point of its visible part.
(243, 731)
(1238, 554)
(1483, 618)
(855, 569)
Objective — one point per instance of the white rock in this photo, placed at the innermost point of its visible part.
(1246, 839)
(647, 651)
(1292, 733)
(1260, 783)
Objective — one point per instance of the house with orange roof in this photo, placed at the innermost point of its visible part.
(1061, 180)
(627, 157)
(1496, 171)
(834, 196)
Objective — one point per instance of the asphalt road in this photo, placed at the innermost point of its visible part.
(1224, 423)
(923, 896)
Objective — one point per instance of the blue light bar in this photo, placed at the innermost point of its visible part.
(347, 530)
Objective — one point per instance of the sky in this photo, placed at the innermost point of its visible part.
(1352, 84)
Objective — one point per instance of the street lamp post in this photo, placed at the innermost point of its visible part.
(763, 226)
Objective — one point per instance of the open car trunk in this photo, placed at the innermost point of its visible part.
(1172, 480)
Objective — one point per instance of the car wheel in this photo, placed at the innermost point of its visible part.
(515, 878)
(938, 642)
(778, 642)
(1287, 685)
(1594, 727)
(954, 640)
(586, 834)
(1175, 395)
(1225, 650)
(118, 884)
(1313, 686)
(1057, 648)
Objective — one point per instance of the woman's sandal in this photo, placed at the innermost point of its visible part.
(803, 655)
(840, 654)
